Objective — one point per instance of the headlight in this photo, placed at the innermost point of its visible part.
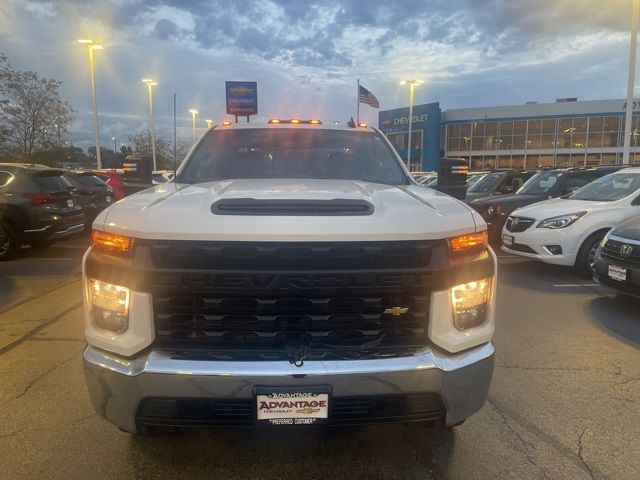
(560, 221)
(470, 304)
(108, 306)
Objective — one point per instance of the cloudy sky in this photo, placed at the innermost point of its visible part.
(307, 55)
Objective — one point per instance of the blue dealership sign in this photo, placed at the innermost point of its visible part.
(242, 98)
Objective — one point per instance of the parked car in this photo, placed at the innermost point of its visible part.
(498, 183)
(161, 176)
(113, 178)
(567, 230)
(617, 262)
(93, 194)
(37, 207)
(542, 186)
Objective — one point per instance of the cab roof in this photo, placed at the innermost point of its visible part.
(298, 126)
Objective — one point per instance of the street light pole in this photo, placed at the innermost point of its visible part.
(412, 84)
(150, 84)
(93, 46)
(115, 148)
(635, 11)
(193, 112)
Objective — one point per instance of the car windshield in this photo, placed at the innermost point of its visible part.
(291, 153)
(486, 183)
(540, 183)
(89, 180)
(609, 188)
(473, 179)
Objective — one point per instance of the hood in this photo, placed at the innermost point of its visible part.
(476, 195)
(508, 203)
(179, 211)
(630, 229)
(558, 206)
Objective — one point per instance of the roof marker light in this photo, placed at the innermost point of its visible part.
(315, 121)
(226, 123)
(294, 120)
(274, 120)
(362, 125)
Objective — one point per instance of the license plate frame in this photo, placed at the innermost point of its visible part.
(298, 406)
(619, 274)
(508, 240)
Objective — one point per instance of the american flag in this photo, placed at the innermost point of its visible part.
(365, 96)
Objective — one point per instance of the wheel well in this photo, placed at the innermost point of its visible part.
(15, 217)
(601, 231)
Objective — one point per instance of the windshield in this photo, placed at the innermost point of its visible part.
(609, 188)
(486, 183)
(288, 153)
(472, 180)
(541, 183)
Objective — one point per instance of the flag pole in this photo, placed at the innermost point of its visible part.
(358, 103)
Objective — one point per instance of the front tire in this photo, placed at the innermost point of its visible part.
(9, 241)
(587, 253)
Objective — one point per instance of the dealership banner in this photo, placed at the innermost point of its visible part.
(242, 98)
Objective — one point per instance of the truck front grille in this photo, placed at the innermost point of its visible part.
(352, 305)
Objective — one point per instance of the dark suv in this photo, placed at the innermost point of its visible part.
(498, 183)
(37, 207)
(542, 186)
(93, 194)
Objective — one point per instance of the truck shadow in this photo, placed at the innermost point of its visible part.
(625, 324)
(539, 276)
(385, 451)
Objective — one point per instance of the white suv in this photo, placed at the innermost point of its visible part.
(567, 231)
(291, 274)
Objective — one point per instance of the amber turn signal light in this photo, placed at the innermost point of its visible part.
(111, 242)
(226, 123)
(469, 243)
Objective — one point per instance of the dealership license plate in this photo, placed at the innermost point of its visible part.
(292, 408)
(507, 240)
(108, 199)
(70, 203)
(617, 273)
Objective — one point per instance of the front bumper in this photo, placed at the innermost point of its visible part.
(630, 286)
(533, 242)
(117, 385)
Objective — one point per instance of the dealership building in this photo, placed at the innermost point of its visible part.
(564, 133)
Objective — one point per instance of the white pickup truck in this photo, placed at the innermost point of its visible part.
(292, 273)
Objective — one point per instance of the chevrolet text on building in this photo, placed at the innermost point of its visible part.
(290, 274)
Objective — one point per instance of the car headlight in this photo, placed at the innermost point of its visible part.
(561, 221)
(108, 306)
(470, 304)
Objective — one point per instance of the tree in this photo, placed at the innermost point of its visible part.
(141, 143)
(32, 115)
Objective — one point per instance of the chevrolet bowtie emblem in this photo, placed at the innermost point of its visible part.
(307, 410)
(396, 311)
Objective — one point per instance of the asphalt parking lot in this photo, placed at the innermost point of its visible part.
(564, 402)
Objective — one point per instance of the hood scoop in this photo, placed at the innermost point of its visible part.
(292, 207)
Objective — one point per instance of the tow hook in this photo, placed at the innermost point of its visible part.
(296, 353)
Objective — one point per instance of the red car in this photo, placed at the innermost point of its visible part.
(113, 178)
